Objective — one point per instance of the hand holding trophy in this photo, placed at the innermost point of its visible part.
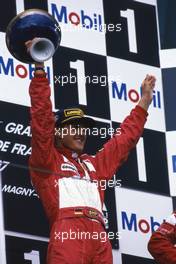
(33, 36)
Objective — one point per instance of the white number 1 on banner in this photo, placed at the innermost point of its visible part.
(34, 256)
(129, 15)
(80, 68)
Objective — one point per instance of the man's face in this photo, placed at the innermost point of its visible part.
(73, 136)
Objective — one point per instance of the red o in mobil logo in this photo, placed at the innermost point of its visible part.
(132, 223)
(120, 92)
(10, 68)
(90, 22)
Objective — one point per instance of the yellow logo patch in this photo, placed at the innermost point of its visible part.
(73, 112)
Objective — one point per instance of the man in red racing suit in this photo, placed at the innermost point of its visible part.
(66, 180)
(162, 244)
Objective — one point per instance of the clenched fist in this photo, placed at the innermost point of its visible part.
(148, 85)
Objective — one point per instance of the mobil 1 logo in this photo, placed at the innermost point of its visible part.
(80, 79)
(138, 38)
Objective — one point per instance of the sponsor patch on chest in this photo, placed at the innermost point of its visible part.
(68, 167)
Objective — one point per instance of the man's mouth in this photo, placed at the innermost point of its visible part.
(79, 139)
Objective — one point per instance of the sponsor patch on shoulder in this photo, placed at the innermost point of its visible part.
(68, 167)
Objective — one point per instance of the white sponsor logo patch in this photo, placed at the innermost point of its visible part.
(68, 167)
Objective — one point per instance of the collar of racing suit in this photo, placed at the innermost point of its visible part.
(71, 155)
(75, 158)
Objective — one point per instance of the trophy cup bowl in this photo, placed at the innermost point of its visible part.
(36, 25)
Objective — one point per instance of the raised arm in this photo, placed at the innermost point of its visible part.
(116, 150)
(42, 120)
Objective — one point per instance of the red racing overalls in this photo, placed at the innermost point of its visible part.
(68, 187)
